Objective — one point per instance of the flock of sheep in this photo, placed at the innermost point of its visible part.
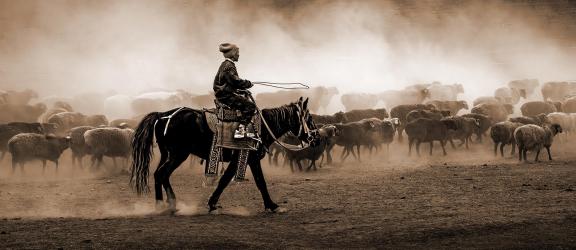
(33, 128)
(432, 112)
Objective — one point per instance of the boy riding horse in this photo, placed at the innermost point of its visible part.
(231, 90)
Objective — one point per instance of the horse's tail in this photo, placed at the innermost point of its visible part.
(142, 152)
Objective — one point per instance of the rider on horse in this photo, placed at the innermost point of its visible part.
(231, 90)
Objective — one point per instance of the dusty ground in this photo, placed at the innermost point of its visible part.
(469, 199)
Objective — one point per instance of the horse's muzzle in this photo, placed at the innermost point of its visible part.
(313, 138)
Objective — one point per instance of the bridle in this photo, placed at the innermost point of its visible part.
(302, 115)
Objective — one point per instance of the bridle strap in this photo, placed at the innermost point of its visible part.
(272, 134)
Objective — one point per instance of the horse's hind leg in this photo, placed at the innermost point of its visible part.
(256, 169)
(174, 161)
(157, 180)
(224, 181)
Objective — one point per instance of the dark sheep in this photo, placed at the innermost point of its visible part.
(465, 127)
(352, 134)
(111, 142)
(430, 114)
(312, 153)
(496, 112)
(7, 131)
(502, 134)
(276, 150)
(484, 122)
(30, 146)
(536, 120)
(357, 115)
(337, 117)
(388, 131)
(537, 107)
(401, 111)
(428, 130)
(78, 144)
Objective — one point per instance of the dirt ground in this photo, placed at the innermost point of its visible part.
(469, 199)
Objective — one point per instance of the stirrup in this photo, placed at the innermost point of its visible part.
(240, 132)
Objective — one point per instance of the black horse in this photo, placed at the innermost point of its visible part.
(188, 133)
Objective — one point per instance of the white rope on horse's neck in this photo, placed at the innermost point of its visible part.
(274, 137)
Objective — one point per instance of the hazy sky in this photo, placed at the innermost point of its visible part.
(63, 47)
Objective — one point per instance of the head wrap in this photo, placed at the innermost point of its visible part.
(227, 47)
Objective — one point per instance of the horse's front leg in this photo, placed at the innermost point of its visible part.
(224, 181)
(258, 175)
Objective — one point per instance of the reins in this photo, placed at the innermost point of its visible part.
(278, 85)
(303, 126)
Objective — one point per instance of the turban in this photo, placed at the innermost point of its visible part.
(226, 47)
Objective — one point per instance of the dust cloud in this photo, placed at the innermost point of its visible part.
(65, 48)
(132, 46)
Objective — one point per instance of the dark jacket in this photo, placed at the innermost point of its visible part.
(227, 82)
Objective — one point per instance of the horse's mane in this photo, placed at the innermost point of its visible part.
(276, 117)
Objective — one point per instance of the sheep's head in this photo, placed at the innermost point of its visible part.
(328, 131)
(556, 128)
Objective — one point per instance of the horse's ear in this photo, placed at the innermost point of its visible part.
(305, 105)
(300, 100)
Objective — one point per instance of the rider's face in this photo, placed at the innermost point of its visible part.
(236, 55)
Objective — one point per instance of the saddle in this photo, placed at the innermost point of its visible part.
(223, 122)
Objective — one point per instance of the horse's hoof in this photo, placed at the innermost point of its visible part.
(240, 181)
(277, 210)
(214, 209)
(168, 211)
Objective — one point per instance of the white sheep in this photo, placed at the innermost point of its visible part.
(562, 119)
(533, 137)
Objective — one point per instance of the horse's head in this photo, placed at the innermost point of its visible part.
(306, 130)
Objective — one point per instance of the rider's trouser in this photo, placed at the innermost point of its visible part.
(243, 104)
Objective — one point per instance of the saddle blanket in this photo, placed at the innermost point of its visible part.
(224, 131)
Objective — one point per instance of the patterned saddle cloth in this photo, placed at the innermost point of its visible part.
(224, 122)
